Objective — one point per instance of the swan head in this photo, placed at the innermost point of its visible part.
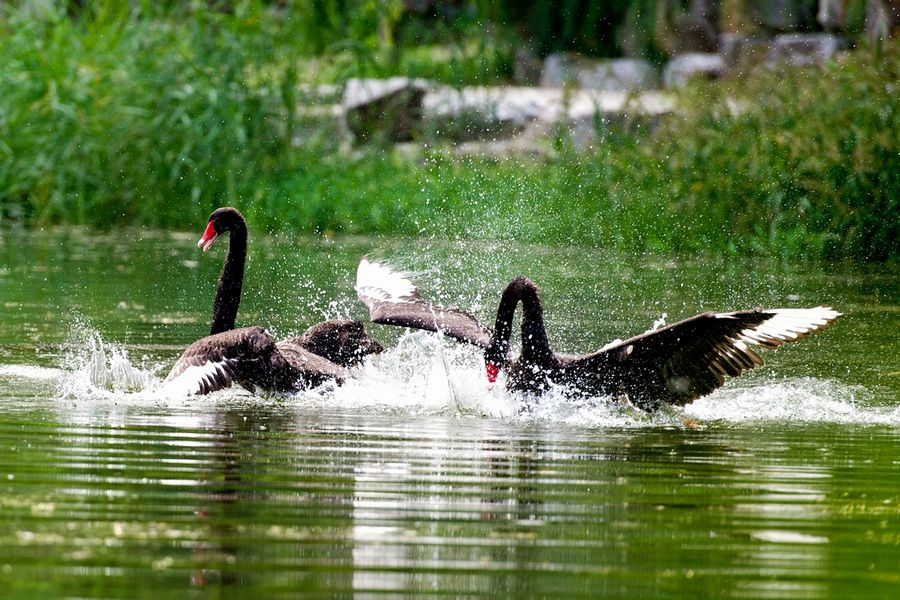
(221, 220)
(496, 358)
(492, 371)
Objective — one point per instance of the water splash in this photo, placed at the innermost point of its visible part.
(93, 367)
(425, 374)
(797, 400)
(30, 372)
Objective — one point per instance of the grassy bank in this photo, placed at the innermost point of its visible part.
(138, 119)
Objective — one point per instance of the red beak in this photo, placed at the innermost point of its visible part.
(209, 236)
(492, 371)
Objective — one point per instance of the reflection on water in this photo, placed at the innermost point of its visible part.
(278, 499)
(783, 508)
(416, 478)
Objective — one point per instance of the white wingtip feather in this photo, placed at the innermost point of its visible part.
(377, 280)
(195, 378)
(789, 324)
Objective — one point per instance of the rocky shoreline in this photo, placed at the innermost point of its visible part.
(577, 95)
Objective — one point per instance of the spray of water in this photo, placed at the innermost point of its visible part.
(424, 374)
(93, 367)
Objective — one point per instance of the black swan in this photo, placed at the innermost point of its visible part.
(675, 364)
(249, 356)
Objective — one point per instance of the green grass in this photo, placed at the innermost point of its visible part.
(109, 120)
(564, 201)
(810, 164)
(807, 165)
(134, 118)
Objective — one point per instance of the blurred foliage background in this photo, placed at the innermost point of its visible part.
(152, 113)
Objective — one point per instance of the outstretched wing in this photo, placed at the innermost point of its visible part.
(394, 300)
(683, 361)
(217, 361)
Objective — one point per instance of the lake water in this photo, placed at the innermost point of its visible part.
(416, 478)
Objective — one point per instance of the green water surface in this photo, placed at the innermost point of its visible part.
(785, 484)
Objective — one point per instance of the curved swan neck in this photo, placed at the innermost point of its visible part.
(534, 336)
(231, 280)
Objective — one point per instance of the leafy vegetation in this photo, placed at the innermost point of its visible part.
(124, 119)
(136, 116)
(796, 161)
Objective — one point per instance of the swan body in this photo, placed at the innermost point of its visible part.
(674, 364)
(250, 356)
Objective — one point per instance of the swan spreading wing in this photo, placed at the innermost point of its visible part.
(393, 299)
(683, 361)
(216, 361)
(674, 364)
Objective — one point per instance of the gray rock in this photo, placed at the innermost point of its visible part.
(619, 75)
(741, 51)
(580, 120)
(804, 48)
(498, 113)
(360, 92)
(388, 109)
(526, 67)
(559, 70)
(487, 112)
(695, 64)
(882, 18)
(497, 122)
(696, 29)
(831, 14)
(587, 104)
(517, 104)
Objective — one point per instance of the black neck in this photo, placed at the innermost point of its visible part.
(228, 292)
(535, 345)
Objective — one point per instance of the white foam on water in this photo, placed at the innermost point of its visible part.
(31, 372)
(425, 374)
(794, 400)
